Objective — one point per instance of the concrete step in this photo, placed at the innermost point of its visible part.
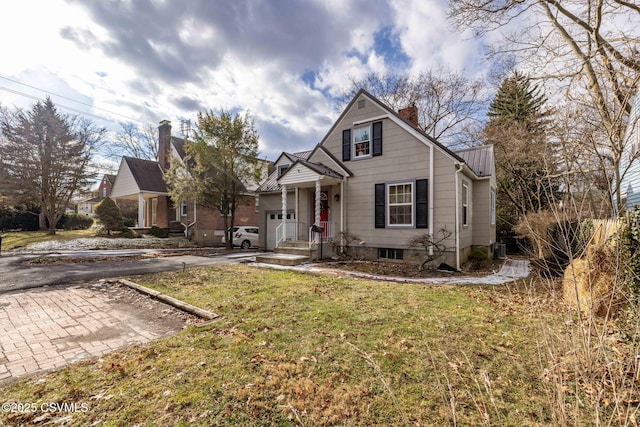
(282, 259)
(295, 251)
(294, 244)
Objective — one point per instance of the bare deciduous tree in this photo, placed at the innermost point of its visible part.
(448, 102)
(434, 246)
(133, 141)
(587, 48)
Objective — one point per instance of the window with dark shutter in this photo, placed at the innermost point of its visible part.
(422, 203)
(379, 206)
(346, 145)
(377, 139)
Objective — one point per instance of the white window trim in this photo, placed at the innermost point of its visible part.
(492, 207)
(285, 167)
(154, 211)
(354, 154)
(183, 209)
(388, 205)
(465, 204)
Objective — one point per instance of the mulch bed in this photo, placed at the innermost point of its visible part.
(398, 269)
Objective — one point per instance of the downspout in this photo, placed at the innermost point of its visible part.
(457, 227)
(189, 225)
(195, 216)
(342, 212)
(431, 174)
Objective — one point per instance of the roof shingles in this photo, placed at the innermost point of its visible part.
(147, 174)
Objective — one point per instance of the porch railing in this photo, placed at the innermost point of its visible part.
(327, 233)
(290, 230)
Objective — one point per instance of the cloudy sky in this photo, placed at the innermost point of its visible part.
(283, 61)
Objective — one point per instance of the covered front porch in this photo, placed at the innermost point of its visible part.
(317, 214)
(152, 208)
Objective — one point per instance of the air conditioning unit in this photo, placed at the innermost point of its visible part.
(500, 251)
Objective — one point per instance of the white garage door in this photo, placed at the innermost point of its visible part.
(273, 220)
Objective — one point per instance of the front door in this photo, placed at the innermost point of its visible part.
(324, 206)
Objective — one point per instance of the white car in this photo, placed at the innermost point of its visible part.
(244, 236)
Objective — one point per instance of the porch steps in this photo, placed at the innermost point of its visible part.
(289, 253)
(282, 259)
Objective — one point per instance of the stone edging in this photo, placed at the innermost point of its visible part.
(196, 311)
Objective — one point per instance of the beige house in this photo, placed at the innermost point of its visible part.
(377, 176)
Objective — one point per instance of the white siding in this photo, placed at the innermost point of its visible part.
(630, 164)
(125, 184)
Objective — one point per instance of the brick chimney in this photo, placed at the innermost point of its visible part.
(410, 114)
(164, 144)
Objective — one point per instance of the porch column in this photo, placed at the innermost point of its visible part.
(318, 201)
(141, 210)
(284, 212)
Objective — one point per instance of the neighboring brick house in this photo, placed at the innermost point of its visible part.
(143, 181)
(378, 176)
(104, 190)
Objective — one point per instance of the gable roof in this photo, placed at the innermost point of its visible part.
(110, 178)
(178, 144)
(147, 173)
(479, 159)
(395, 116)
(319, 168)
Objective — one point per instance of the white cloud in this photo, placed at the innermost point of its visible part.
(428, 38)
(167, 60)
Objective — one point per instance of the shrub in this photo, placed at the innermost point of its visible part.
(159, 232)
(478, 259)
(109, 215)
(128, 233)
(19, 218)
(630, 243)
(75, 222)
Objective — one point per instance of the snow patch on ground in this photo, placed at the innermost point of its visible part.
(103, 243)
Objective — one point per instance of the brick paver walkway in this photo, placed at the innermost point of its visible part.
(49, 328)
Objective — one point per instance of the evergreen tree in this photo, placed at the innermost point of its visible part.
(517, 101)
(524, 159)
(44, 158)
(109, 215)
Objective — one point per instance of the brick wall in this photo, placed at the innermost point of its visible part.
(209, 228)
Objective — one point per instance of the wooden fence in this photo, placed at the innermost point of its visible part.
(603, 229)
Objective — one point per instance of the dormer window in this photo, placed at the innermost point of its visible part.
(361, 142)
(282, 169)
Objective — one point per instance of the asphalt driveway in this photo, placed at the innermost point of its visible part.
(15, 274)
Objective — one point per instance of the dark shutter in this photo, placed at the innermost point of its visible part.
(346, 145)
(422, 202)
(379, 206)
(377, 139)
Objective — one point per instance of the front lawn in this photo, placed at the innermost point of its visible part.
(300, 349)
(14, 239)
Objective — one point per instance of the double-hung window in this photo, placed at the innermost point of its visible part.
(400, 203)
(361, 142)
(492, 207)
(465, 205)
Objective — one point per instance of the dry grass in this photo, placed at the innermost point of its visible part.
(295, 349)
